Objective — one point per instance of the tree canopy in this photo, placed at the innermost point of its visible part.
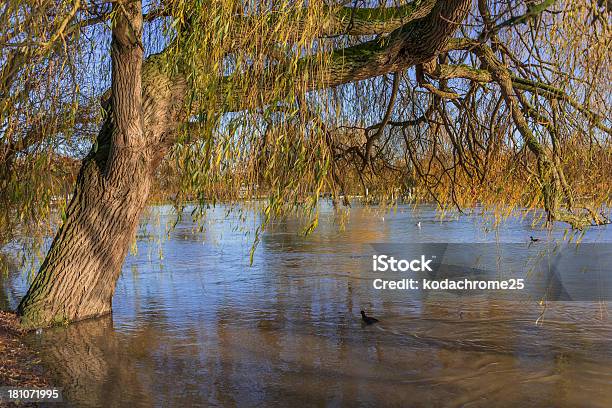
(498, 103)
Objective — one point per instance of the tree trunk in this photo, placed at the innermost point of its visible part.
(77, 279)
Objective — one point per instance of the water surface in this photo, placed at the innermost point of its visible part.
(194, 325)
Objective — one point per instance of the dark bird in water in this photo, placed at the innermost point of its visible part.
(534, 239)
(368, 319)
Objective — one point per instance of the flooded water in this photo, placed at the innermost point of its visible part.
(194, 325)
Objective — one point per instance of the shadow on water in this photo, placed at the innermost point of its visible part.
(203, 328)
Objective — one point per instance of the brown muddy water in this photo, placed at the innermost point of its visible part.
(195, 325)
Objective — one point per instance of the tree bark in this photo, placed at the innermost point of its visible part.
(77, 278)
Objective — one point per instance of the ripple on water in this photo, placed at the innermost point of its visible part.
(201, 327)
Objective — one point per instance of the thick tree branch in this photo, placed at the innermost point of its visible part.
(373, 21)
(355, 21)
(415, 42)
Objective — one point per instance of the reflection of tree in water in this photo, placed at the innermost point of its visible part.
(97, 366)
(289, 349)
(366, 227)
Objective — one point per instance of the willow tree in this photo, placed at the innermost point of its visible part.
(297, 98)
